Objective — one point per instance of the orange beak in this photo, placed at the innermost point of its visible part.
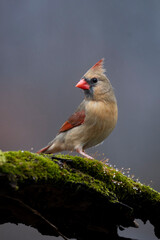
(83, 84)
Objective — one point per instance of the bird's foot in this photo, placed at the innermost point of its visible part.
(84, 154)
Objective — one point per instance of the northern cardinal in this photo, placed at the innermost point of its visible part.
(94, 119)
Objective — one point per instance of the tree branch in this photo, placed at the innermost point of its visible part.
(72, 197)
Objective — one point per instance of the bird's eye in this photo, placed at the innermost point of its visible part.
(94, 80)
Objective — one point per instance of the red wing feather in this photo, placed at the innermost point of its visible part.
(43, 149)
(75, 120)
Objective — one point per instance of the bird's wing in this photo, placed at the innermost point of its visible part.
(75, 119)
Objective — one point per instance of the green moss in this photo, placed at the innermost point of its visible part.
(73, 173)
(2, 158)
(26, 165)
(123, 187)
(91, 173)
(21, 166)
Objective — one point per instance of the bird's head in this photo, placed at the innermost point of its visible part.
(96, 85)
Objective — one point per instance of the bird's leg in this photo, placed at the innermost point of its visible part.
(83, 153)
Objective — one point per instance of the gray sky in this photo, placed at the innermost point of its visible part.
(45, 48)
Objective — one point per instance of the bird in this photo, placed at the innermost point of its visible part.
(94, 119)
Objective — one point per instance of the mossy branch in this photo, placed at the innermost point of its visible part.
(72, 196)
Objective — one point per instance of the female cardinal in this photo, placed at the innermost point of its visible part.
(94, 119)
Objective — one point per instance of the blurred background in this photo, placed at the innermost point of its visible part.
(45, 48)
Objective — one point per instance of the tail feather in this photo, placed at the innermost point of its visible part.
(43, 150)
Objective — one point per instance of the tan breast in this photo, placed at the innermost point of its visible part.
(101, 119)
(103, 113)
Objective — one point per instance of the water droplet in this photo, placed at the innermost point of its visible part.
(135, 188)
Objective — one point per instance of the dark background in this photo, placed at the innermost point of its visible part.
(45, 48)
